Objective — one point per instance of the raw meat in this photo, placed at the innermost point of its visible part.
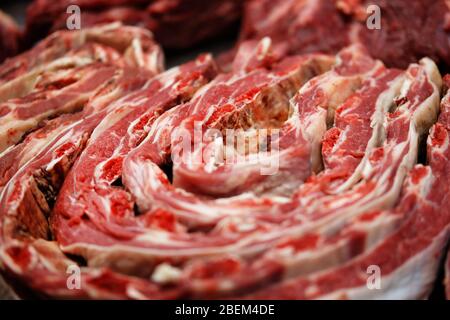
(10, 37)
(112, 44)
(153, 216)
(417, 259)
(175, 23)
(64, 71)
(409, 30)
(31, 189)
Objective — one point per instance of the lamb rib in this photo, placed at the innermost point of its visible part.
(111, 43)
(210, 108)
(101, 181)
(53, 162)
(90, 181)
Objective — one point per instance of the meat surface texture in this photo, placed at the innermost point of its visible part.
(64, 71)
(175, 23)
(407, 30)
(334, 184)
(10, 37)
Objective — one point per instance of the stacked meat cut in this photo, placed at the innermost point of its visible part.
(98, 172)
(175, 23)
(398, 32)
(447, 279)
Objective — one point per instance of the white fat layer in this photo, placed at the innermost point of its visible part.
(165, 273)
(381, 198)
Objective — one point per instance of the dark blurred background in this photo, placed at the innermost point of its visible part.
(15, 8)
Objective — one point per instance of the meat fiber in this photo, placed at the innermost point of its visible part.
(176, 24)
(409, 30)
(447, 277)
(121, 185)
